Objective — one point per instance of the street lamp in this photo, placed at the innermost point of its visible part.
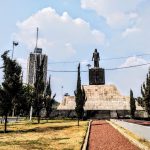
(14, 44)
(62, 91)
(88, 65)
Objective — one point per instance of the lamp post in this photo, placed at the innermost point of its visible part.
(62, 91)
(88, 65)
(14, 44)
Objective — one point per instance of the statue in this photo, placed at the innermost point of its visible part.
(96, 58)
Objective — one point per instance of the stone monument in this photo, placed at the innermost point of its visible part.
(96, 74)
(103, 101)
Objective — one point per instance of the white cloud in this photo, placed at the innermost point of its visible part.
(131, 61)
(129, 31)
(131, 78)
(70, 48)
(118, 13)
(59, 34)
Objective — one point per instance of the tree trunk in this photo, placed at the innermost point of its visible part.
(5, 124)
(47, 117)
(78, 121)
(148, 116)
(39, 119)
(13, 112)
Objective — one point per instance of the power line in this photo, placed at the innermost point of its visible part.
(126, 67)
(104, 59)
(110, 69)
(123, 57)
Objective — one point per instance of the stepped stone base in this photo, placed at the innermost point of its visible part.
(100, 97)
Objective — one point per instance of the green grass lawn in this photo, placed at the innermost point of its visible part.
(51, 135)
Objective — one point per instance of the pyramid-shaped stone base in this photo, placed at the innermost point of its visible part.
(99, 97)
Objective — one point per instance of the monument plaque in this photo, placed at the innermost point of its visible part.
(96, 74)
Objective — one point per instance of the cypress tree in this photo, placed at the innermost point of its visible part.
(132, 104)
(145, 91)
(39, 87)
(49, 99)
(80, 98)
(140, 101)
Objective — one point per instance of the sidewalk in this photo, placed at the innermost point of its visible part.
(104, 137)
(140, 130)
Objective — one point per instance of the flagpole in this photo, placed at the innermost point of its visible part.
(12, 50)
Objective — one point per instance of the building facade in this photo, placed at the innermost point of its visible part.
(32, 63)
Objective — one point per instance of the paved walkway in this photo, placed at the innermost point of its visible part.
(104, 137)
(140, 130)
(140, 122)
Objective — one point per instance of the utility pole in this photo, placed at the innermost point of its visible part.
(88, 65)
(62, 91)
(14, 44)
(31, 110)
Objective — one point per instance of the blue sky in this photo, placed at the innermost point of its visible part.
(70, 30)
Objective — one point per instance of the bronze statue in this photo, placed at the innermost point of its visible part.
(96, 58)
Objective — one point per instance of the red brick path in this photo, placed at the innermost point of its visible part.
(104, 137)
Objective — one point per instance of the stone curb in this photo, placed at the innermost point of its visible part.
(131, 139)
(86, 139)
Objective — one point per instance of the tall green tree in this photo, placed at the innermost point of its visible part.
(145, 91)
(26, 101)
(80, 97)
(132, 104)
(5, 106)
(39, 86)
(11, 86)
(140, 102)
(18, 99)
(49, 99)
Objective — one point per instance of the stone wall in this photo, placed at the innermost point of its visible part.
(95, 114)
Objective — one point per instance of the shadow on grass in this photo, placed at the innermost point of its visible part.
(38, 129)
(51, 121)
(27, 142)
(55, 139)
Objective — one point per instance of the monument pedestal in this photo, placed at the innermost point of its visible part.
(96, 76)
